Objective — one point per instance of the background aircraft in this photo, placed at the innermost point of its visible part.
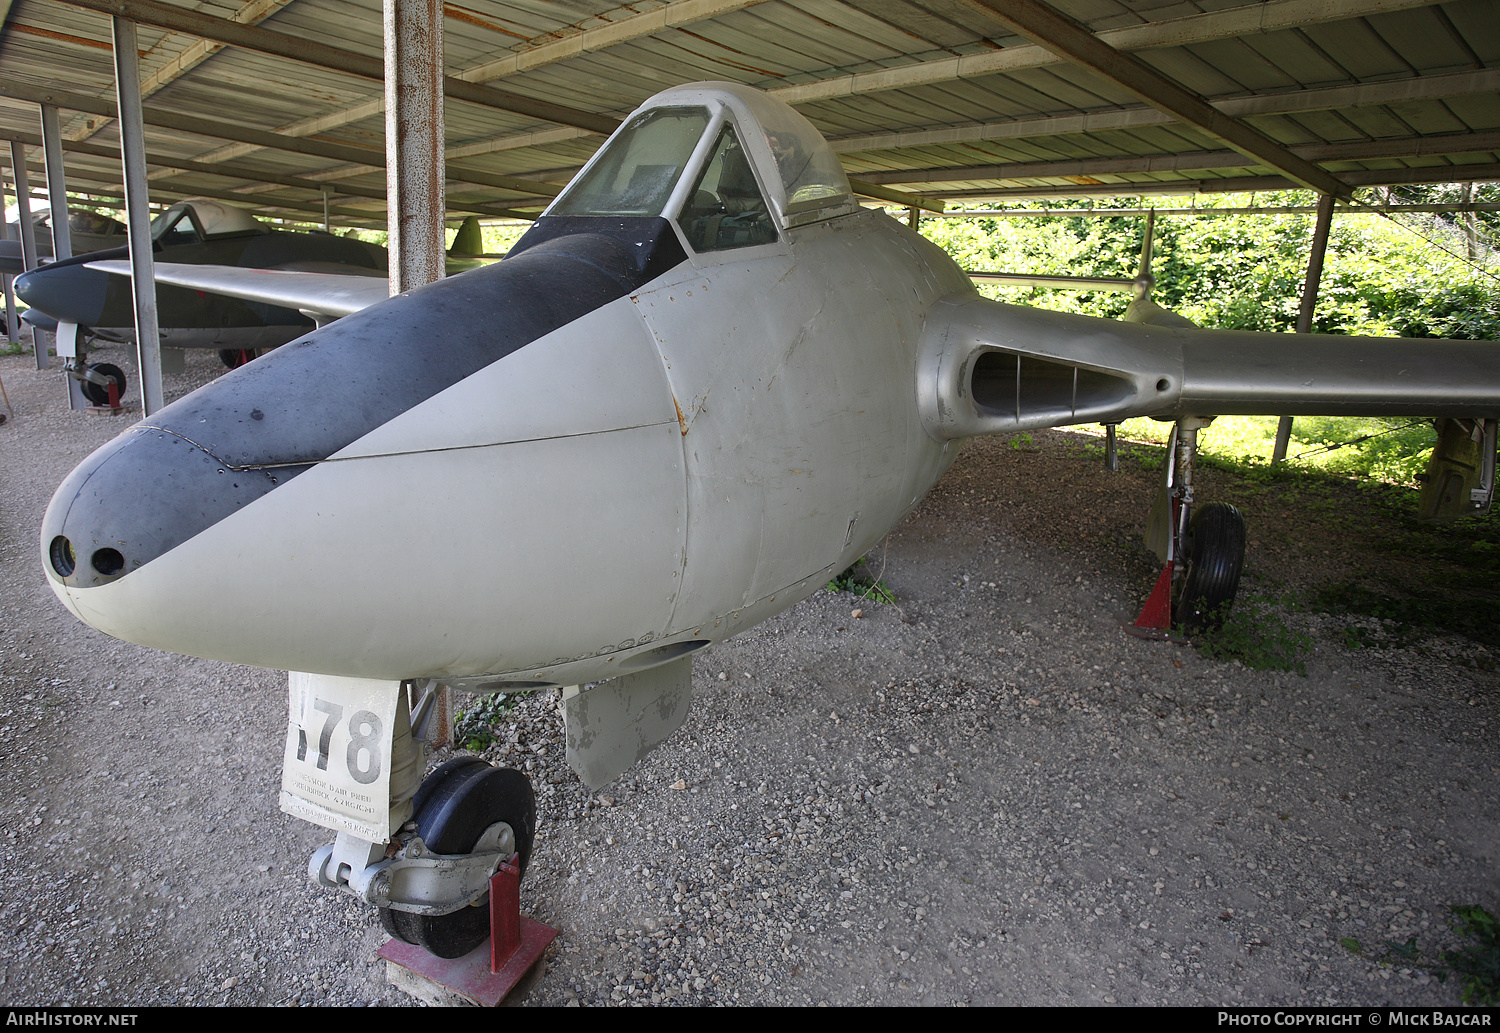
(89, 231)
(195, 232)
(702, 383)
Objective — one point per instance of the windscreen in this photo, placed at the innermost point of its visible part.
(725, 209)
(639, 168)
(174, 226)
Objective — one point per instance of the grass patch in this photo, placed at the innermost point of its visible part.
(1255, 635)
(1394, 450)
(1403, 621)
(1476, 963)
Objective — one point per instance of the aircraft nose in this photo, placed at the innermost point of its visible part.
(108, 517)
(65, 290)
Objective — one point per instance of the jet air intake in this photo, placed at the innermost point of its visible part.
(988, 368)
(1040, 391)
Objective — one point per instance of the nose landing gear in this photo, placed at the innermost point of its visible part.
(429, 856)
(471, 808)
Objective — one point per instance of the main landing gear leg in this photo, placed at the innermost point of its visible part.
(1202, 553)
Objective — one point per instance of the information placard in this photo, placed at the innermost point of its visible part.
(336, 771)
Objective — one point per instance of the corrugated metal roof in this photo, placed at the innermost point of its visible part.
(934, 97)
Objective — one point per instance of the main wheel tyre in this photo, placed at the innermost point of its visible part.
(454, 806)
(1216, 556)
(98, 394)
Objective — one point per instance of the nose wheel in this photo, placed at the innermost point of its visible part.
(457, 810)
(98, 394)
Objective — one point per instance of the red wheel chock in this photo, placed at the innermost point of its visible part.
(490, 971)
(1155, 619)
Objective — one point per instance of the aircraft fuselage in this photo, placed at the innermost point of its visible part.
(594, 456)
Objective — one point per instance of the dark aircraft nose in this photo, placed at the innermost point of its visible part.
(209, 454)
(68, 290)
(142, 494)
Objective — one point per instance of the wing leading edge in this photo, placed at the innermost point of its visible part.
(324, 295)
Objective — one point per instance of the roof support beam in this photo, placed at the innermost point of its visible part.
(295, 48)
(220, 131)
(544, 50)
(1480, 173)
(109, 186)
(1072, 41)
(1257, 17)
(1426, 87)
(1269, 16)
(618, 26)
(170, 165)
(1358, 150)
(251, 13)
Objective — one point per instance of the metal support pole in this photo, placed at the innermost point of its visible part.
(914, 217)
(1111, 448)
(137, 212)
(57, 186)
(415, 202)
(1148, 239)
(325, 192)
(27, 233)
(23, 203)
(1309, 303)
(11, 324)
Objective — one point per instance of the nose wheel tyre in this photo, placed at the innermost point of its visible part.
(98, 394)
(1216, 556)
(234, 358)
(454, 806)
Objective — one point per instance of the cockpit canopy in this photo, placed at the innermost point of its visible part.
(198, 218)
(731, 164)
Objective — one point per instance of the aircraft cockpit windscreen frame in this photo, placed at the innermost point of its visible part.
(176, 226)
(726, 209)
(636, 172)
(207, 219)
(700, 134)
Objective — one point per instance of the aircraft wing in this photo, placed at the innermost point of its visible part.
(329, 295)
(988, 368)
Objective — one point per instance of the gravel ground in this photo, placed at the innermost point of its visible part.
(983, 794)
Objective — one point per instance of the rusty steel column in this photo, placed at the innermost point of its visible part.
(1309, 303)
(415, 202)
(138, 213)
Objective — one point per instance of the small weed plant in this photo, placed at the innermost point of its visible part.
(861, 584)
(1255, 635)
(474, 728)
(1476, 963)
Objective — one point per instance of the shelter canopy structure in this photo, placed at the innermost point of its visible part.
(275, 103)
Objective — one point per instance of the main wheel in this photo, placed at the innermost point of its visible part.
(454, 806)
(98, 394)
(1216, 556)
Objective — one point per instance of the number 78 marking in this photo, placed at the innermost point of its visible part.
(367, 742)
